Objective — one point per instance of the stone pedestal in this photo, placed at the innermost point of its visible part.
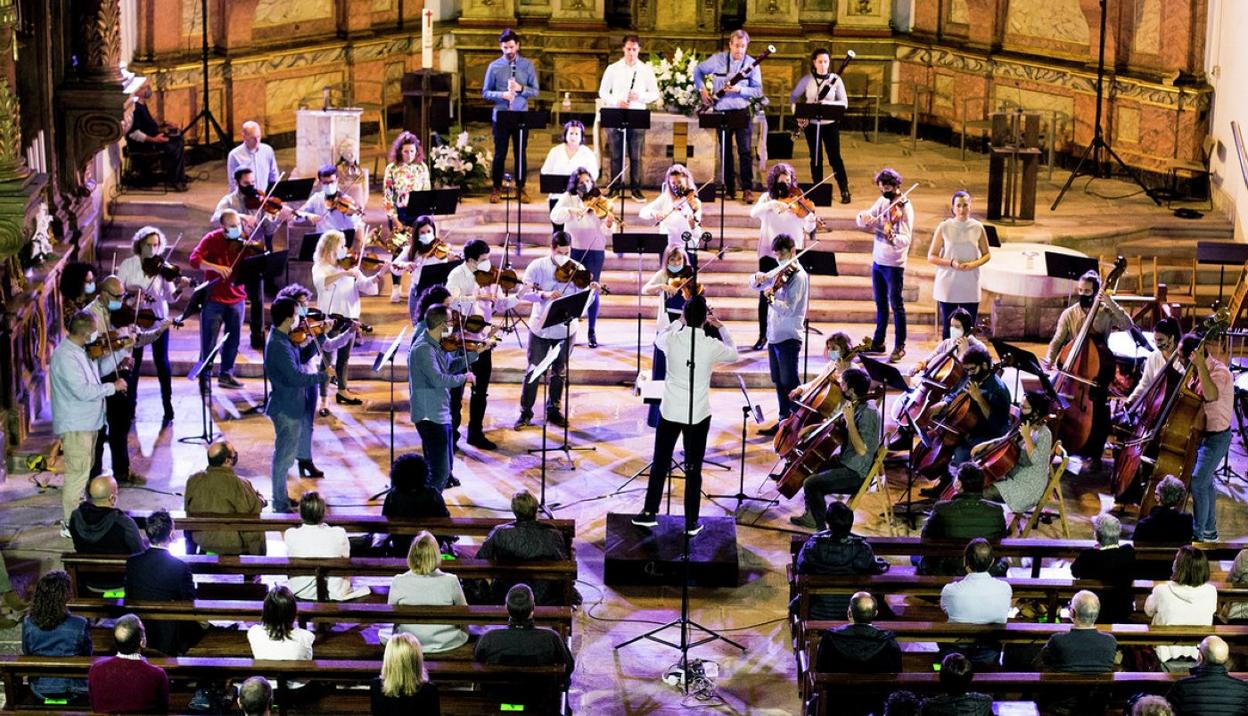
(323, 137)
(657, 156)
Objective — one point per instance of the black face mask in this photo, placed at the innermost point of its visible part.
(890, 194)
(1086, 301)
(248, 191)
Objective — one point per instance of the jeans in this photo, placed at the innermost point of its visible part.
(946, 311)
(886, 284)
(305, 432)
(285, 446)
(695, 450)
(636, 143)
(782, 360)
(482, 368)
(214, 315)
(830, 138)
(1213, 449)
(160, 356)
(765, 264)
(538, 348)
(836, 479)
(435, 440)
(593, 260)
(501, 139)
(744, 158)
(118, 417)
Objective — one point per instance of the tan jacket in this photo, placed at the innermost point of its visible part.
(220, 490)
(1110, 318)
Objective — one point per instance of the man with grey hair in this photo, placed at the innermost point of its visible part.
(1109, 561)
(1210, 690)
(1083, 649)
(126, 683)
(1167, 524)
(255, 696)
(1151, 705)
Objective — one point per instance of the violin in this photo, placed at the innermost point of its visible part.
(781, 275)
(144, 318)
(456, 341)
(802, 207)
(157, 265)
(505, 278)
(575, 273)
(107, 344)
(437, 249)
(683, 283)
(891, 216)
(307, 328)
(472, 323)
(367, 263)
(344, 204)
(601, 207)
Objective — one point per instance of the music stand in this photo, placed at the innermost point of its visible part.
(307, 249)
(204, 366)
(887, 376)
(534, 373)
(1221, 254)
(562, 311)
(814, 112)
(816, 263)
(520, 121)
(434, 275)
(552, 183)
(722, 123)
(1025, 361)
(1059, 265)
(196, 302)
(748, 410)
(387, 356)
(433, 202)
(994, 239)
(294, 189)
(639, 244)
(622, 120)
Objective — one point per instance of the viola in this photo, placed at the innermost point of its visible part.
(154, 266)
(817, 403)
(344, 204)
(575, 273)
(795, 201)
(456, 341)
(683, 284)
(891, 216)
(601, 207)
(505, 278)
(144, 318)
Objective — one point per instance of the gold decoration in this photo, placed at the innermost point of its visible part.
(103, 37)
(10, 132)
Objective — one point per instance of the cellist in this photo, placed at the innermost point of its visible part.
(991, 397)
(1217, 389)
(839, 353)
(845, 473)
(1023, 486)
(1112, 318)
(960, 340)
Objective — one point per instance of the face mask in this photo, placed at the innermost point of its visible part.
(425, 237)
(890, 194)
(146, 251)
(303, 311)
(233, 232)
(248, 191)
(1086, 301)
(782, 188)
(114, 304)
(484, 264)
(331, 188)
(342, 252)
(956, 332)
(561, 259)
(89, 288)
(1027, 415)
(675, 267)
(95, 336)
(834, 355)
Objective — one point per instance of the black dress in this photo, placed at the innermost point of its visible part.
(423, 703)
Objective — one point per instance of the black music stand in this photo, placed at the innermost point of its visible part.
(812, 112)
(434, 275)
(387, 356)
(1025, 361)
(196, 302)
(622, 120)
(534, 373)
(722, 123)
(639, 244)
(521, 121)
(887, 376)
(432, 202)
(552, 184)
(1059, 265)
(748, 410)
(816, 263)
(562, 311)
(202, 371)
(295, 189)
(1222, 254)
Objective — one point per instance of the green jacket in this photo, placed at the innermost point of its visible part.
(963, 518)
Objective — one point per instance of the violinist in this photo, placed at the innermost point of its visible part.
(788, 288)
(248, 194)
(217, 254)
(406, 173)
(315, 340)
(991, 398)
(1216, 387)
(777, 216)
(673, 282)
(421, 252)
(471, 299)
(432, 372)
(338, 291)
(677, 209)
(116, 363)
(1111, 318)
(322, 209)
(959, 247)
(588, 230)
(893, 229)
(155, 292)
(823, 86)
(77, 287)
(568, 157)
(1023, 486)
(845, 473)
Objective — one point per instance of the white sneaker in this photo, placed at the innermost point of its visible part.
(396, 294)
(694, 532)
(65, 531)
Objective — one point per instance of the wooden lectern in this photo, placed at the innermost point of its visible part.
(426, 103)
(1013, 165)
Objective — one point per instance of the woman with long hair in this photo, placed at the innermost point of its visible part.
(823, 86)
(276, 637)
(1187, 599)
(589, 233)
(404, 688)
(50, 630)
(407, 172)
(677, 209)
(415, 257)
(338, 292)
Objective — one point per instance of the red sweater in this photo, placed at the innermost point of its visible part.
(215, 248)
(127, 686)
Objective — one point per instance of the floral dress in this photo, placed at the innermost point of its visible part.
(399, 180)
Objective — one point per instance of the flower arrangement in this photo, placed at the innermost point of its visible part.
(462, 164)
(675, 80)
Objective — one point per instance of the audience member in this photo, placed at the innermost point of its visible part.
(859, 648)
(276, 637)
(957, 700)
(50, 630)
(218, 489)
(404, 688)
(965, 517)
(410, 498)
(1187, 599)
(255, 697)
(1150, 705)
(1210, 690)
(1237, 612)
(977, 598)
(424, 584)
(902, 703)
(1083, 649)
(157, 576)
(1166, 524)
(522, 642)
(836, 552)
(98, 527)
(316, 540)
(525, 539)
(126, 683)
(12, 607)
(1109, 561)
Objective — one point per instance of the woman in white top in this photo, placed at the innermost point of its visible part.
(1187, 599)
(277, 638)
(567, 157)
(822, 86)
(315, 539)
(424, 584)
(776, 217)
(664, 283)
(412, 259)
(959, 247)
(338, 292)
(677, 210)
(589, 233)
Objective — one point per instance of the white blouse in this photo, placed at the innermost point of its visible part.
(342, 296)
(773, 223)
(961, 243)
(558, 162)
(588, 232)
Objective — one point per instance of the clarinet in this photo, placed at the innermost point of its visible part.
(512, 101)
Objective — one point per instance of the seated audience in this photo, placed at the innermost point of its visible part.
(157, 576)
(255, 697)
(859, 648)
(1109, 561)
(424, 584)
(410, 498)
(404, 688)
(315, 539)
(965, 517)
(1237, 612)
(1210, 690)
(836, 552)
(1083, 649)
(958, 700)
(902, 703)
(98, 527)
(1187, 599)
(220, 490)
(1150, 705)
(50, 630)
(126, 683)
(1165, 525)
(525, 539)
(276, 637)
(977, 598)
(522, 642)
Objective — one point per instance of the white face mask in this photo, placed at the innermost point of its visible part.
(95, 335)
(342, 252)
(834, 355)
(331, 188)
(146, 251)
(956, 332)
(675, 267)
(484, 264)
(425, 237)
(561, 259)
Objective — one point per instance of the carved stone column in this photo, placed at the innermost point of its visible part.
(91, 102)
(97, 39)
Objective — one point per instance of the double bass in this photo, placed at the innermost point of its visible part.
(1080, 364)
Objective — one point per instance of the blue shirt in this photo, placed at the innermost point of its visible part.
(786, 315)
(977, 598)
(997, 422)
(77, 394)
(431, 373)
(262, 163)
(495, 86)
(722, 67)
(289, 396)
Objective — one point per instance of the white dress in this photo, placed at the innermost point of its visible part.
(961, 243)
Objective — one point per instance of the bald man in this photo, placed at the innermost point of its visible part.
(1210, 690)
(219, 489)
(859, 648)
(255, 155)
(98, 527)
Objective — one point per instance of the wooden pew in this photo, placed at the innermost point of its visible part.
(538, 679)
(563, 573)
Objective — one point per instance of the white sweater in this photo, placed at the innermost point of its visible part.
(1173, 604)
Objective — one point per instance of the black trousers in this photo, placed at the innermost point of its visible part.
(118, 416)
(830, 138)
(481, 370)
(501, 138)
(695, 451)
(744, 159)
(160, 356)
(765, 264)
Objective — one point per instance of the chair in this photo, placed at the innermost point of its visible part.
(862, 101)
(1197, 169)
(142, 167)
(913, 107)
(983, 124)
(877, 476)
(1052, 493)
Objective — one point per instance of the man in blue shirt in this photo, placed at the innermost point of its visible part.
(786, 316)
(721, 67)
(509, 83)
(432, 372)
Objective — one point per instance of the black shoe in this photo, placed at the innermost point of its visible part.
(875, 348)
(845, 198)
(760, 344)
(646, 519)
(228, 381)
(593, 340)
(638, 195)
(522, 422)
(614, 193)
(307, 468)
(323, 412)
(901, 442)
(554, 417)
(898, 353)
(339, 399)
(257, 343)
(479, 440)
(167, 419)
(770, 432)
(453, 481)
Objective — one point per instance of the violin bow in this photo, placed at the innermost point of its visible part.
(884, 212)
(682, 200)
(264, 200)
(776, 271)
(710, 261)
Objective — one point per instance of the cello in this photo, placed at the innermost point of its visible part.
(960, 418)
(1080, 364)
(939, 376)
(818, 403)
(814, 452)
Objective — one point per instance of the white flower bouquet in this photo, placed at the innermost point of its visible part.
(462, 164)
(675, 80)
